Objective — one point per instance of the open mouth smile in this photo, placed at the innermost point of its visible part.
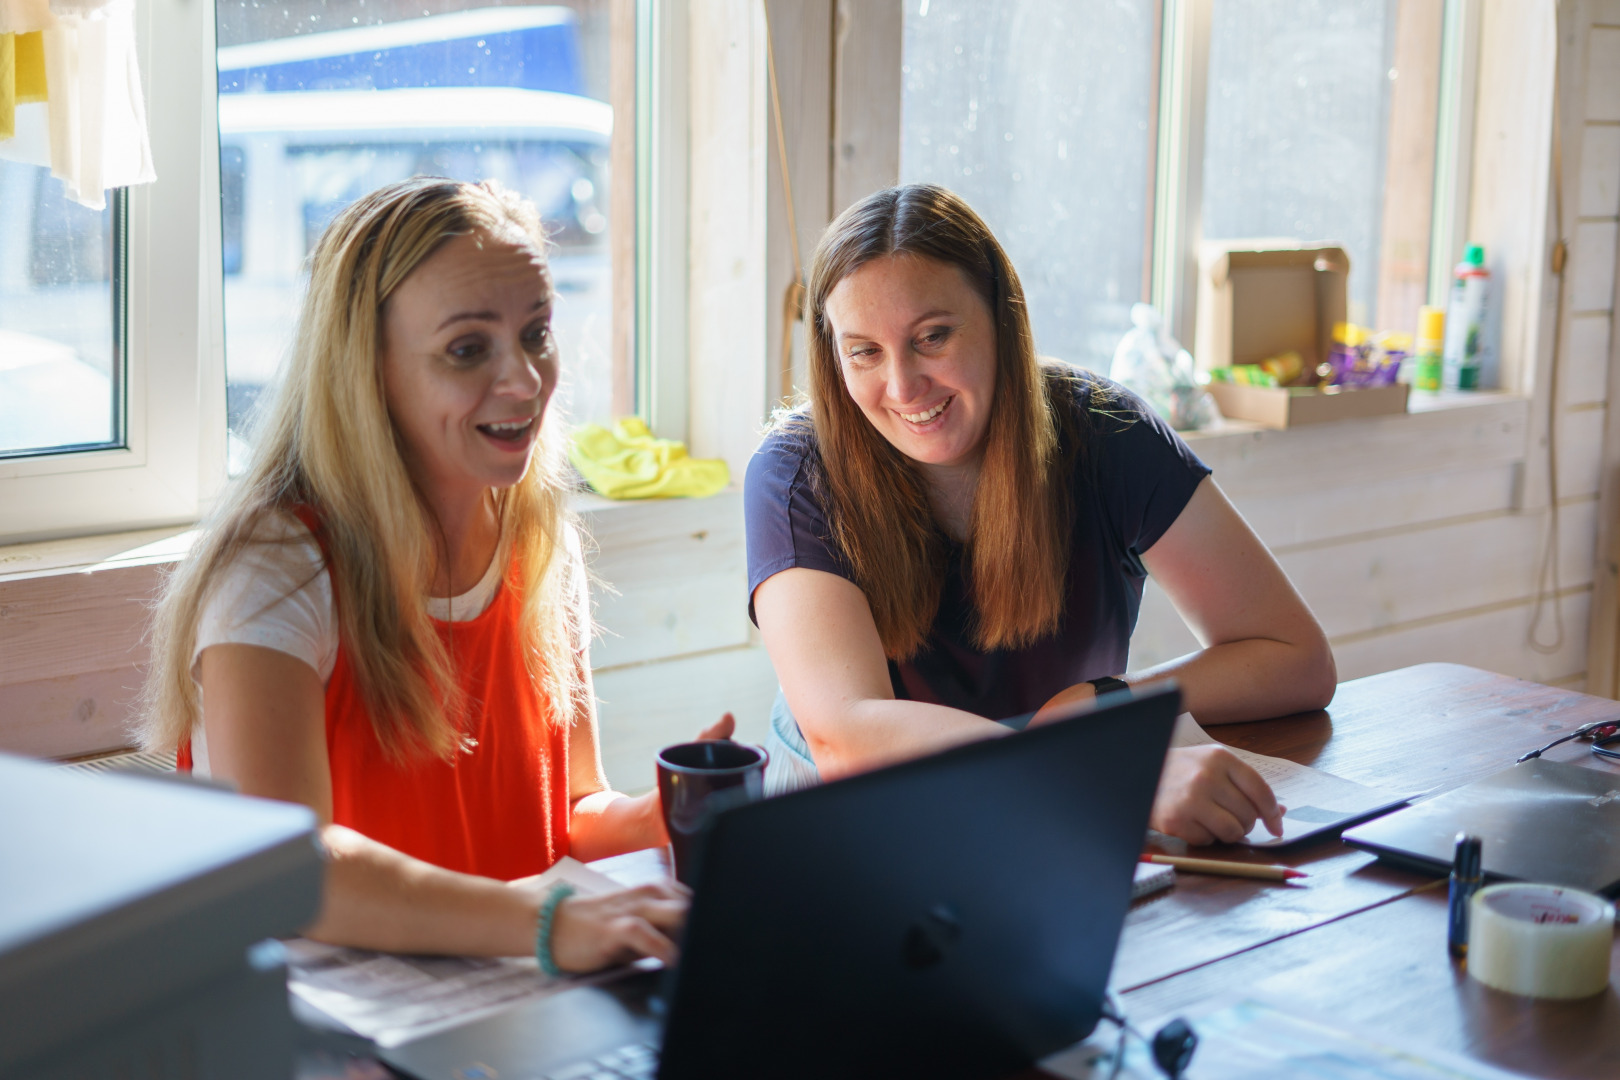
(509, 431)
(921, 418)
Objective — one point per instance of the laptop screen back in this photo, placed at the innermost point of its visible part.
(953, 916)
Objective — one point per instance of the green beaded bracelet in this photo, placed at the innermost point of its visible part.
(542, 933)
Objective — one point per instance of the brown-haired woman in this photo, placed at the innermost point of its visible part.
(954, 530)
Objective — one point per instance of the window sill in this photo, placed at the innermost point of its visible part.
(148, 547)
(1421, 403)
(74, 613)
(1440, 431)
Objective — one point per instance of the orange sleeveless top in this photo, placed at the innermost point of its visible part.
(500, 808)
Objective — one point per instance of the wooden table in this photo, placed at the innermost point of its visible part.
(1362, 942)
(1356, 941)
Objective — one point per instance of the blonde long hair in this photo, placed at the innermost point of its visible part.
(328, 443)
(877, 502)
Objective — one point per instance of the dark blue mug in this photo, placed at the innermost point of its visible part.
(696, 780)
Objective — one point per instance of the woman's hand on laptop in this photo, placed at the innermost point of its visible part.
(594, 932)
(1207, 794)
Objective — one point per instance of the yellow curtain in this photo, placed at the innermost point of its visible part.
(30, 52)
(22, 76)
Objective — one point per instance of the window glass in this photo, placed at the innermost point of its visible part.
(1297, 131)
(59, 355)
(321, 102)
(1038, 113)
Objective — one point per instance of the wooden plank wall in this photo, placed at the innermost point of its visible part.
(676, 647)
(73, 620)
(1594, 348)
(1406, 554)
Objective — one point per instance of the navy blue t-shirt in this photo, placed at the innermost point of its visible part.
(1130, 484)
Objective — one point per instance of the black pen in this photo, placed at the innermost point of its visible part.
(1467, 870)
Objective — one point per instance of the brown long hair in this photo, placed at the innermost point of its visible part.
(328, 443)
(876, 500)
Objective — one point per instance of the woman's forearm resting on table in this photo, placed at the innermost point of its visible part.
(606, 823)
(1257, 679)
(378, 898)
(824, 645)
(868, 733)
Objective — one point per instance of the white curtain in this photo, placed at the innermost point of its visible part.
(91, 128)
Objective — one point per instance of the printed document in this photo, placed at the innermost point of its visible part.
(393, 999)
(1315, 800)
(1252, 1040)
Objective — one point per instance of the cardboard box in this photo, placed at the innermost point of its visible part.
(1291, 406)
(1259, 298)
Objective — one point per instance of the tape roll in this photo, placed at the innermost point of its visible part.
(1540, 941)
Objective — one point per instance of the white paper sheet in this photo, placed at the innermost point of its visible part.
(1254, 1039)
(393, 999)
(1315, 800)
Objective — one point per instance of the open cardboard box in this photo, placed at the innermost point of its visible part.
(1259, 298)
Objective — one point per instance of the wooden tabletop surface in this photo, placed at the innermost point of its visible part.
(1360, 941)
(1356, 941)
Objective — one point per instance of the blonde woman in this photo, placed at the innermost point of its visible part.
(954, 532)
(387, 621)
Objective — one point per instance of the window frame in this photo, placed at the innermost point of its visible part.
(173, 465)
(1178, 154)
(1177, 118)
(165, 473)
(660, 117)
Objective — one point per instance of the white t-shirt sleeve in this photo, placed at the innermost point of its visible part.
(276, 594)
(580, 587)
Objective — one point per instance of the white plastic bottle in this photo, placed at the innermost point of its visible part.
(1465, 321)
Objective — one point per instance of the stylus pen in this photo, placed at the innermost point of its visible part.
(1229, 869)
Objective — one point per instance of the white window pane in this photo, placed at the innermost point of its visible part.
(321, 102)
(58, 382)
(1298, 116)
(1037, 113)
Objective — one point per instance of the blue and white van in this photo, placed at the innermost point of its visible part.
(308, 124)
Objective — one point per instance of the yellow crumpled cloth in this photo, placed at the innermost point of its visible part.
(630, 462)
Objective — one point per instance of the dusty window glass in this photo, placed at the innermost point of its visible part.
(60, 358)
(1298, 113)
(1038, 113)
(321, 102)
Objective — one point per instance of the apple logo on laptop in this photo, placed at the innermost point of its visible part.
(928, 938)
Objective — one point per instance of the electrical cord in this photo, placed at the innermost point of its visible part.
(1603, 733)
(1172, 1045)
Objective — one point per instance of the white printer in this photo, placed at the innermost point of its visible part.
(134, 918)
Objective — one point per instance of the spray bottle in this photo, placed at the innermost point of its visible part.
(1430, 343)
(1465, 321)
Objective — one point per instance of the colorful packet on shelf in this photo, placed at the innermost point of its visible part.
(1361, 358)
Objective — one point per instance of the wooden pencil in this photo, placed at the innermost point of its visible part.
(1227, 868)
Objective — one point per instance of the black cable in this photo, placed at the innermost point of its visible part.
(1600, 747)
(1580, 732)
(1171, 1047)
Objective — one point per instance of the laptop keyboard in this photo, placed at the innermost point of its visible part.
(637, 1061)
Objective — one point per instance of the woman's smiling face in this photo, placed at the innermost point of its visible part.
(917, 347)
(469, 363)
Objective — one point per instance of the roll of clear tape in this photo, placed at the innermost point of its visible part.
(1540, 940)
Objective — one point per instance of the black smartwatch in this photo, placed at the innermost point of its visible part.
(1108, 685)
